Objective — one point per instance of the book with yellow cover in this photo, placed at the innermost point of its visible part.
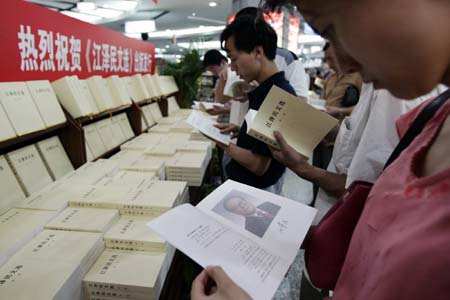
(131, 233)
(12, 193)
(55, 157)
(31, 171)
(20, 108)
(112, 272)
(45, 99)
(302, 125)
(84, 219)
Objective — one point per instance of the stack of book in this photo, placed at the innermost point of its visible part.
(125, 125)
(84, 219)
(148, 117)
(119, 274)
(144, 141)
(155, 111)
(100, 90)
(94, 141)
(189, 167)
(160, 128)
(118, 91)
(55, 157)
(131, 233)
(92, 172)
(51, 266)
(172, 105)
(131, 179)
(147, 163)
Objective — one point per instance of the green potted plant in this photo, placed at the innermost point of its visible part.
(186, 74)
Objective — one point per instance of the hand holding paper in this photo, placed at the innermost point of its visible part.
(206, 126)
(287, 155)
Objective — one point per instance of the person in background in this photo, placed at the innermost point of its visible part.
(399, 247)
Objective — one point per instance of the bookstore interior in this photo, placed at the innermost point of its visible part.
(112, 167)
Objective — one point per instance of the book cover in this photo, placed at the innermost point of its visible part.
(12, 193)
(118, 91)
(125, 125)
(206, 126)
(94, 140)
(70, 96)
(55, 157)
(99, 89)
(20, 108)
(302, 125)
(45, 99)
(7, 131)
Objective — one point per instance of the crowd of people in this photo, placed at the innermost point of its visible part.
(388, 79)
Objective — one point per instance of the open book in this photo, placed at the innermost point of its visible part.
(206, 126)
(302, 125)
(204, 106)
(252, 234)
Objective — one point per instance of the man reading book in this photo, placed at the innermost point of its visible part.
(251, 46)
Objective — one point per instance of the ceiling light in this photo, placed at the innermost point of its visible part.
(167, 46)
(186, 32)
(201, 45)
(105, 13)
(212, 4)
(140, 26)
(194, 14)
(85, 6)
(121, 5)
(133, 35)
(82, 17)
(310, 39)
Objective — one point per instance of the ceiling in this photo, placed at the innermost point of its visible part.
(168, 14)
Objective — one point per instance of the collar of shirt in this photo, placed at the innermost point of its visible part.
(263, 89)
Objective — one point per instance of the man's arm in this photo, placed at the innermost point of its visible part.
(257, 164)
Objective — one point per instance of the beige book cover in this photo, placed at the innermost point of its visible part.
(84, 219)
(18, 227)
(29, 168)
(157, 85)
(12, 193)
(143, 141)
(55, 157)
(71, 97)
(131, 233)
(112, 270)
(238, 111)
(106, 134)
(189, 160)
(56, 197)
(182, 127)
(125, 156)
(148, 81)
(147, 163)
(94, 140)
(125, 125)
(103, 197)
(20, 108)
(172, 120)
(118, 91)
(302, 125)
(89, 155)
(117, 131)
(92, 172)
(100, 92)
(140, 85)
(155, 111)
(86, 93)
(131, 88)
(195, 146)
(160, 128)
(204, 106)
(165, 149)
(146, 112)
(131, 179)
(7, 131)
(144, 124)
(45, 99)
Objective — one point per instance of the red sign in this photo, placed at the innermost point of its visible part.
(38, 43)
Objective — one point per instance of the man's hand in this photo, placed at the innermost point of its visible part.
(287, 155)
(224, 288)
(228, 128)
(218, 110)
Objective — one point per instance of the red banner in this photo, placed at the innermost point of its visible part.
(294, 31)
(38, 43)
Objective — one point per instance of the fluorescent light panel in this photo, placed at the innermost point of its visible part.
(105, 13)
(120, 5)
(186, 32)
(82, 17)
(140, 26)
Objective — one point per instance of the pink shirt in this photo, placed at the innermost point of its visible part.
(400, 248)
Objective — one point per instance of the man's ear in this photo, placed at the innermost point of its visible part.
(259, 52)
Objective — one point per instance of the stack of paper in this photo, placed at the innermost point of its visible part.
(86, 93)
(102, 197)
(147, 114)
(29, 169)
(71, 96)
(131, 233)
(147, 163)
(20, 108)
(92, 172)
(125, 156)
(55, 157)
(160, 128)
(131, 179)
(106, 134)
(125, 275)
(45, 99)
(164, 149)
(155, 111)
(84, 219)
(196, 146)
(172, 105)
(12, 193)
(94, 141)
(118, 91)
(189, 167)
(100, 91)
(144, 141)
(51, 266)
(302, 125)
(18, 227)
(125, 125)
(6, 130)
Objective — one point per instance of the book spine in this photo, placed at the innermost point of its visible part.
(46, 163)
(16, 174)
(263, 138)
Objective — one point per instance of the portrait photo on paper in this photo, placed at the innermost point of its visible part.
(255, 215)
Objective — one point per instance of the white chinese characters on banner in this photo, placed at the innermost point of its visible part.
(58, 52)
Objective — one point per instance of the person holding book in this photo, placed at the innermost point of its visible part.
(257, 218)
(251, 46)
(399, 247)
